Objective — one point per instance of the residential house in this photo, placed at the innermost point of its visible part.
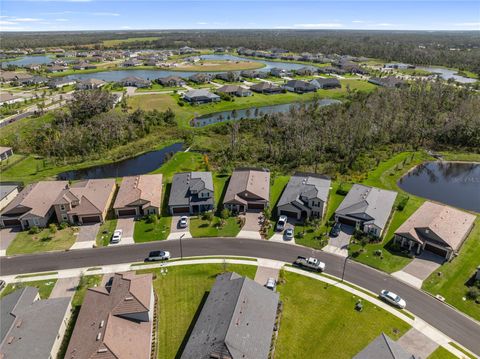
(192, 192)
(266, 88)
(390, 81)
(398, 66)
(172, 81)
(32, 327)
(90, 84)
(85, 201)
(200, 78)
(306, 71)
(252, 74)
(115, 321)
(11, 76)
(135, 81)
(32, 67)
(366, 208)
(84, 66)
(305, 196)
(139, 195)
(230, 76)
(234, 90)
(326, 84)
(237, 321)
(5, 153)
(435, 228)
(383, 347)
(33, 206)
(7, 194)
(7, 98)
(35, 80)
(56, 68)
(278, 72)
(186, 50)
(200, 96)
(60, 82)
(132, 63)
(248, 189)
(299, 86)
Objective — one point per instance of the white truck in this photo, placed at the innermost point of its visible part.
(309, 263)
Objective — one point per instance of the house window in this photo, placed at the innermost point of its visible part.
(64, 217)
(62, 207)
(35, 222)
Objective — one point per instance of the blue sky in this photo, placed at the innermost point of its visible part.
(51, 15)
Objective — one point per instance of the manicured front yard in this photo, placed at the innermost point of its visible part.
(105, 232)
(44, 241)
(155, 231)
(449, 280)
(181, 293)
(203, 228)
(44, 287)
(441, 353)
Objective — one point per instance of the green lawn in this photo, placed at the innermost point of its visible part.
(317, 321)
(277, 186)
(182, 162)
(449, 280)
(42, 242)
(203, 228)
(44, 287)
(441, 353)
(105, 232)
(180, 295)
(146, 232)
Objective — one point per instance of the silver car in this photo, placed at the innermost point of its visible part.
(158, 256)
(117, 236)
(271, 284)
(393, 299)
(282, 221)
(288, 234)
(183, 222)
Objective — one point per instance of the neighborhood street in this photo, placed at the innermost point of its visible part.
(446, 319)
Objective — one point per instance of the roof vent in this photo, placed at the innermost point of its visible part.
(99, 336)
(128, 298)
(19, 323)
(102, 350)
(102, 324)
(10, 340)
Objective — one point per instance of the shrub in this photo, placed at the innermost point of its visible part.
(63, 225)
(34, 230)
(207, 216)
(225, 213)
(377, 252)
(52, 227)
(151, 218)
(402, 203)
(341, 190)
(300, 235)
(473, 293)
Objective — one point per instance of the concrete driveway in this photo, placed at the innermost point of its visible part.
(280, 236)
(65, 287)
(418, 344)
(127, 225)
(86, 236)
(7, 235)
(267, 269)
(339, 245)
(251, 228)
(176, 232)
(419, 269)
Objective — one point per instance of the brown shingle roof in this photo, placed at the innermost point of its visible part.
(146, 188)
(103, 315)
(255, 181)
(448, 223)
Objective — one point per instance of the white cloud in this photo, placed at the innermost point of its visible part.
(468, 24)
(383, 24)
(126, 27)
(319, 25)
(12, 28)
(105, 14)
(62, 20)
(5, 22)
(202, 23)
(25, 19)
(358, 22)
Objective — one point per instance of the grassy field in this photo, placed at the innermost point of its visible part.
(110, 43)
(449, 280)
(42, 242)
(204, 228)
(317, 320)
(147, 232)
(218, 65)
(441, 353)
(108, 226)
(180, 295)
(44, 287)
(157, 87)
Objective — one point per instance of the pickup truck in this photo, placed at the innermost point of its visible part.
(310, 264)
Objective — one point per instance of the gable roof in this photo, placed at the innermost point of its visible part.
(383, 347)
(105, 315)
(369, 204)
(255, 181)
(262, 86)
(308, 185)
(184, 183)
(146, 188)
(450, 224)
(38, 197)
(200, 93)
(29, 327)
(6, 189)
(237, 319)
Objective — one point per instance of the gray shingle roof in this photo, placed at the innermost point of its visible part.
(184, 183)
(6, 190)
(368, 204)
(30, 328)
(305, 185)
(383, 347)
(237, 318)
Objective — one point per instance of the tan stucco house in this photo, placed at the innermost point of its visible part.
(248, 189)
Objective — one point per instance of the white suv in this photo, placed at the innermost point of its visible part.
(117, 236)
(282, 221)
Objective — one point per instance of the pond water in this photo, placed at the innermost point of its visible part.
(252, 112)
(138, 165)
(453, 183)
(117, 75)
(447, 74)
(28, 60)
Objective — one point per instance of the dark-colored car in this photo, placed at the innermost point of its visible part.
(335, 231)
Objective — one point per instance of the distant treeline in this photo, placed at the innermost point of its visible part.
(459, 49)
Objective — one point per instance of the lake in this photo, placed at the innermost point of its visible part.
(142, 164)
(447, 74)
(453, 183)
(28, 60)
(252, 112)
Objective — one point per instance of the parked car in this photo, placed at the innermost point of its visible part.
(158, 256)
(393, 299)
(288, 234)
(117, 236)
(310, 263)
(335, 231)
(183, 222)
(282, 221)
(271, 284)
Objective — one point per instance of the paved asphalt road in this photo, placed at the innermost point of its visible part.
(449, 321)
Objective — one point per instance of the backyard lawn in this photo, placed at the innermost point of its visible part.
(317, 321)
(146, 232)
(181, 293)
(182, 162)
(44, 241)
(44, 287)
(203, 228)
(277, 186)
(449, 280)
